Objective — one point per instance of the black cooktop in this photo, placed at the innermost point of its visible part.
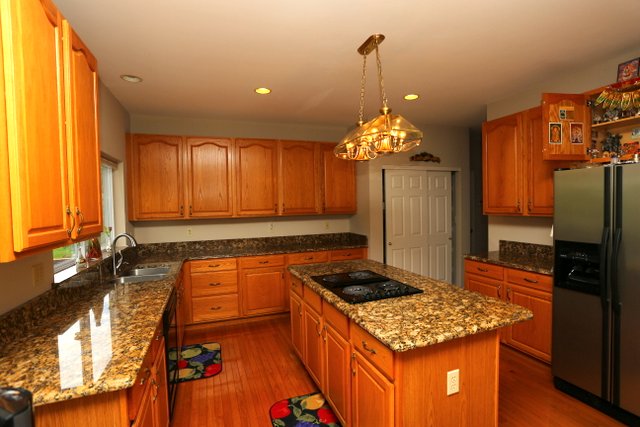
(362, 286)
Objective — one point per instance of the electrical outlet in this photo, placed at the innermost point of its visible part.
(37, 273)
(453, 382)
(270, 226)
(189, 231)
(326, 225)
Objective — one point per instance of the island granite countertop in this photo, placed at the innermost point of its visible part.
(441, 313)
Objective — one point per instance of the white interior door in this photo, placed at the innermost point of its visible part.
(418, 222)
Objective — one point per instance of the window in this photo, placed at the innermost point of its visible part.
(64, 258)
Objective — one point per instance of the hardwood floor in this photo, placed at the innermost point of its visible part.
(260, 368)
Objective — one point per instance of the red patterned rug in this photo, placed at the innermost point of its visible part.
(310, 410)
(197, 361)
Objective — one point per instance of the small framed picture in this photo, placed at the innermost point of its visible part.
(555, 133)
(635, 133)
(577, 136)
(563, 114)
(628, 70)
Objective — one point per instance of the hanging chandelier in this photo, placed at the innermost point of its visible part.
(386, 133)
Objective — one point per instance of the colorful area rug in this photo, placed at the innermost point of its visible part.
(197, 361)
(309, 410)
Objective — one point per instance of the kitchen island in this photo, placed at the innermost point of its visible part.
(395, 361)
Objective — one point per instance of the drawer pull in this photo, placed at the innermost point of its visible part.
(147, 373)
(500, 291)
(214, 265)
(366, 347)
(216, 308)
(215, 284)
(484, 270)
(526, 279)
(509, 294)
(309, 258)
(263, 262)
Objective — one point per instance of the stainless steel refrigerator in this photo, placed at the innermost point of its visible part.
(596, 294)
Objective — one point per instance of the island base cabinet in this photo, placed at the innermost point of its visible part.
(337, 381)
(421, 383)
(372, 395)
(296, 324)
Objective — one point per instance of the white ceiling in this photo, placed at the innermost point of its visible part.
(203, 58)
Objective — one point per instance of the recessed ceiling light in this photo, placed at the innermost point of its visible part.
(411, 96)
(131, 78)
(263, 90)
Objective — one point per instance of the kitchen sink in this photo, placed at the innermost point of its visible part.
(148, 274)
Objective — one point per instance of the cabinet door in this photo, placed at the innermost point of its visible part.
(145, 416)
(299, 177)
(34, 101)
(313, 344)
(295, 308)
(489, 287)
(502, 165)
(155, 177)
(539, 182)
(256, 177)
(532, 336)
(337, 380)
(565, 109)
(82, 135)
(263, 291)
(339, 183)
(160, 397)
(209, 177)
(372, 395)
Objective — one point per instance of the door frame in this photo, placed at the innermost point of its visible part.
(456, 220)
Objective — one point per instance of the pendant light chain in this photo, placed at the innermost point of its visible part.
(362, 86)
(383, 95)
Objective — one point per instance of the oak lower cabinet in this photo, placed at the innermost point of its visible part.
(154, 408)
(372, 395)
(347, 254)
(262, 285)
(367, 384)
(527, 289)
(49, 147)
(211, 290)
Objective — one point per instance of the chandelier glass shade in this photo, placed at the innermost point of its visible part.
(385, 134)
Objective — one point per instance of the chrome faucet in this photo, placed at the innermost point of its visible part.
(132, 243)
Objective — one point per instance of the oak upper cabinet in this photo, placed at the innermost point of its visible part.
(256, 177)
(209, 173)
(338, 183)
(81, 104)
(502, 165)
(155, 175)
(38, 174)
(299, 177)
(563, 110)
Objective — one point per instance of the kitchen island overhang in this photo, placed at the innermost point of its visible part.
(430, 334)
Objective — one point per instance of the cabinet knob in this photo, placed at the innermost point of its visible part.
(181, 210)
(190, 210)
(81, 225)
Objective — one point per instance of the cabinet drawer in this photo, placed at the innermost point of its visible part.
(296, 286)
(335, 318)
(372, 349)
(214, 308)
(308, 258)
(262, 261)
(484, 269)
(344, 254)
(205, 284)
(529, 279)
(313, 300)
(215, 264)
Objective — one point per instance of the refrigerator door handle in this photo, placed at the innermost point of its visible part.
(604, 288)
(615, 252)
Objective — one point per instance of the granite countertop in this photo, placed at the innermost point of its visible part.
(94, 345)
(86, 336)
(522, 256)
(441, 313)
